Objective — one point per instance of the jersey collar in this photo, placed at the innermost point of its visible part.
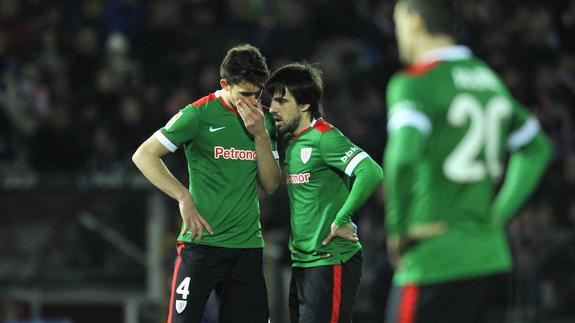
(311, 125)
(218, 95)
(448, 53)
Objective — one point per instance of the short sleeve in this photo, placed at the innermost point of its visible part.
(182, 128)
(339, 152)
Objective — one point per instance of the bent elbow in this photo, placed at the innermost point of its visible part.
(136, 156)
(270, 189)
(140, 155)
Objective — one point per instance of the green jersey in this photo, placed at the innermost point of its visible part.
(318, 163)
(466, 119)
(222, 170)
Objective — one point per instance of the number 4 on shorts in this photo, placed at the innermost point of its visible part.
(184, 290)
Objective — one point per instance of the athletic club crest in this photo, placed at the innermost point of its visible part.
(305, 154)
(180, 305)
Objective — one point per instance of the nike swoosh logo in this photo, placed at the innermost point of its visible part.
(216, 129)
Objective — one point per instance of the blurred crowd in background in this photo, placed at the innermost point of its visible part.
(83, 83)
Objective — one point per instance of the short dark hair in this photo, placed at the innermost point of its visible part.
(439, 16)
(244, 63)
(304, 82)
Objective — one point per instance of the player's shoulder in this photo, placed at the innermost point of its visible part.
(317, 131)
(323, 126)
(403, 86)
(205, 101)
(416, 72)
(327, 131)
(412, 77)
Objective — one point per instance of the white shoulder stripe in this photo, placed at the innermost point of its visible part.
(165, 141)
(406, 115)
(276, 154)
(523, 135)
(354, 162)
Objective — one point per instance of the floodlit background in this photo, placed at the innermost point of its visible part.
(84, 238)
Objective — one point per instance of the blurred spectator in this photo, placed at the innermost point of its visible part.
(55, 146)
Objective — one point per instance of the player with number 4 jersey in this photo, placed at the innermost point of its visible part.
(451, 123)
(229, 144)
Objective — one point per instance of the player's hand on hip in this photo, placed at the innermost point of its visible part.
(347, 232)
(426, 230)
(397, 245)
(252, 115)
(193, 222)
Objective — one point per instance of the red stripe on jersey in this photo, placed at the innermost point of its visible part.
(234, 110)
(212, 97)
(319, 125)
(322, 126)
(336, 294)
(296, 136)
(204, 100)
(408, 303)
(175, 280)
(421, 68)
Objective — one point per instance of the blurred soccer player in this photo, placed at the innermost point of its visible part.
(450, 122)
(220, 243)
(326, 252)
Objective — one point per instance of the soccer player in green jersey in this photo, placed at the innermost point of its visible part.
(451, 121)
(319, 160)
(226, 139)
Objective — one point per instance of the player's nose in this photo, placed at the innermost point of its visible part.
(273, 109)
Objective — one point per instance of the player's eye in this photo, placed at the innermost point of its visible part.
(250, 94)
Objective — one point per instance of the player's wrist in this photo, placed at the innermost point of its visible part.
(262, 135)
(184, 197)
(342, 222)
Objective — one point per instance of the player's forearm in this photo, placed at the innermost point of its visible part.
(268, 168)
(396, 187)
(403, 150)
(368, 177)
(525, 170)
(158, 174)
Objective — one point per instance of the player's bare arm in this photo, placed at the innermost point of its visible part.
(268, 167)
(148, 159)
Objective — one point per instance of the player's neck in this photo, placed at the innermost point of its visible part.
(227, 98)
(427, 44)
(304, 123)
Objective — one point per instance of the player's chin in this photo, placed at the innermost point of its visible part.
(281, 126)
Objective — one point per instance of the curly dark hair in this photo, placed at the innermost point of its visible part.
(304, 82)
(244, 63)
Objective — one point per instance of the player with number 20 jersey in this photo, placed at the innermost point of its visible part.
(451, 123)
(466, 126)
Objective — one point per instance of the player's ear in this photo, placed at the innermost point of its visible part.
(416, 23)
(224, 83)
(304, 107)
